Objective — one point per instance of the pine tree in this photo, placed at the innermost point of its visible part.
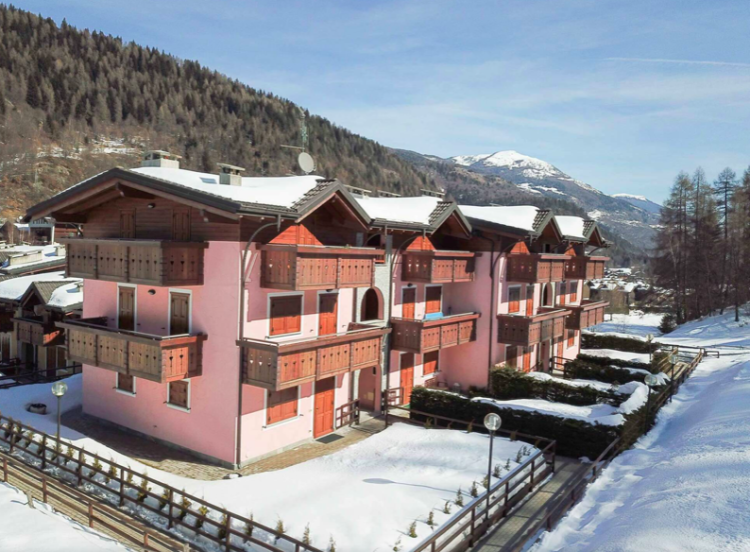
(724, 191)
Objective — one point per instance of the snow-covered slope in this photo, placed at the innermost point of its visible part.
(632, 217)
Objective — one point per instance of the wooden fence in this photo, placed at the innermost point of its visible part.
(203, 524)
(84, 509)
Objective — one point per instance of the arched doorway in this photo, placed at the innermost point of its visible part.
(548, 295)
(372, 305)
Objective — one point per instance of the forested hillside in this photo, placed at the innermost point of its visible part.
(75, 102)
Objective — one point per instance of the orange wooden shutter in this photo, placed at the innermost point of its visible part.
(529, 300)
(286, 314)
(433, 296)
(409, 300)
(526, 359)
(430, 362)
(573, 292)
(571, 338)
(327, 313)
(282, 405)
(514, 299)
(561, 294)
(178, 393)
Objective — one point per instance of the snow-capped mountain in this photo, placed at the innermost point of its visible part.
(634, 217)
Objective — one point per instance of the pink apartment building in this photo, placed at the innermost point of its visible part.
(237, 317)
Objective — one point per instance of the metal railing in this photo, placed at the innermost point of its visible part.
(31, 376)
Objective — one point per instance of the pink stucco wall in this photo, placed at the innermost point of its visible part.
(208, 427)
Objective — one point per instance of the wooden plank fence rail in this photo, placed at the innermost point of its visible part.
(87, 510)
(347, 414)
(155, 503)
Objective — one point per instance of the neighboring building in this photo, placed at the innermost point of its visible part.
(30, 306)
(237, 317)
(21, 260)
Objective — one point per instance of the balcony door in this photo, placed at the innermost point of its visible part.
(325, 390)
(408, 301)
(327, 313)
(529, 300)
(407, 377)
(126, 308)
(127, 223)
(179, 313)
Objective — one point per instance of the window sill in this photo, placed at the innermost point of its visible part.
(177, 407)
(282, 422)
(123, 392)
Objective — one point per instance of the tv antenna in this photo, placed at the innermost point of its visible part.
(304, 159)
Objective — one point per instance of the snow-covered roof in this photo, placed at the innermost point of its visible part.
(517, 216)
(67, 296)
(283, 191)
(13, 289)
(416, 210)
(571, 227)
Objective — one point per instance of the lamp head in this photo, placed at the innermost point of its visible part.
(59, 388)
(492, 421)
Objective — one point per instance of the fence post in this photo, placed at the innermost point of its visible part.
(44, 451)
(44, 489)
(5, 470)
(80, 467)
(91, 514)
(170, 498)
(122, 486)
(533, 461)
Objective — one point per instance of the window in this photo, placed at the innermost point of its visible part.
(433, 299)
(573, 287)
(511, 356)
(561, 293)
(286, 314)
(281, 405)
(372, 305)
(179, 394)
(514, 299)
(430, 362)
(126, 384)
(571, 338)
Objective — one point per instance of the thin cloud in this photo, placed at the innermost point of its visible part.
(682, 62)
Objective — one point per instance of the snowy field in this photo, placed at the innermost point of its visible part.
(365, 496)
(24, 529)
(636, 323)
(685, 486)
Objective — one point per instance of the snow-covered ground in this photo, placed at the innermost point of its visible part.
(636, 323)
(24, 529)
(621, 355)
(365, 496)
(685, 486)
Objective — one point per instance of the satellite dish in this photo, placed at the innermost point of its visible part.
(306, 162)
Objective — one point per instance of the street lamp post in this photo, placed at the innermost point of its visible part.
(649, 339)
(492, 422)
(59, 388)
(650, 380)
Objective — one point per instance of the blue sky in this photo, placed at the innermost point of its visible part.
(619, 94)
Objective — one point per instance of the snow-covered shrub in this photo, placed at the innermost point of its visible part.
(582, 369)
(618, 362)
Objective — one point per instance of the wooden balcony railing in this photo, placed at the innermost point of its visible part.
(536, 268)
(423, 336)
(280, 365)
(438, 267)
(589, 313)
(150, 262)
(152, 357)
(36, 331)
(302, 267)
(584, 268)
(548, 323)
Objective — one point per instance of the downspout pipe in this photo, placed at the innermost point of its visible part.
(243, 280)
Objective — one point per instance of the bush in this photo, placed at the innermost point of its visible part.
(579, 369)
(574, 437)
(507, 384)
(627, 344)
(606, 361)
(668, 323)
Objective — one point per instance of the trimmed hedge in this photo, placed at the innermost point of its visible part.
(627, 344)
(508, 384)
(574, 438)
(580, 369)
(606, 361)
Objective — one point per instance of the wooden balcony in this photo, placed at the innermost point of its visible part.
(149, 262)
(548, 323)
(35, 331)
(152, 357)
(438, 267)
(303, 267)
(423, 336)
(279, 365)
(589, 313)
(584, 268)
(536, 268)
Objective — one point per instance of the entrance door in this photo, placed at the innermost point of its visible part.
(324, 406)
(529, 300)
(407, 377)
(409, 300)
(368, 379)
(127, 223)
(181, 225)
(558, 353)
(126, 313)
(327, 313)
(179, 317)
(545, 354)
